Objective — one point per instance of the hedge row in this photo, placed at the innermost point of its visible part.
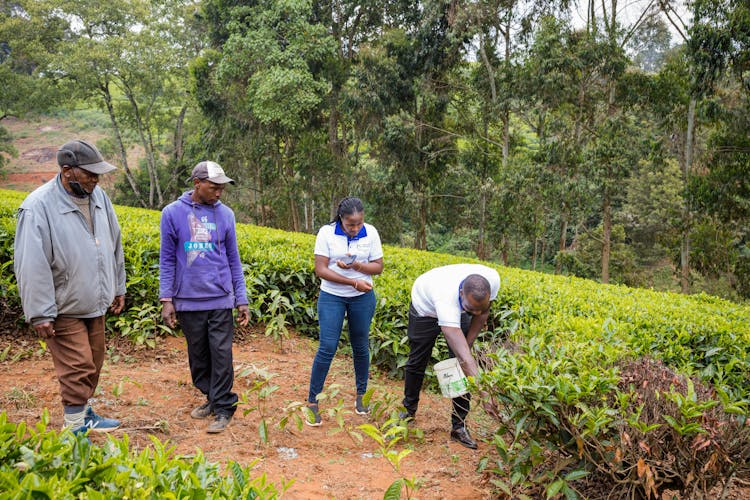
(568, 360)
(696, 334)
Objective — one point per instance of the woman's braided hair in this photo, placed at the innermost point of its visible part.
(348, 206)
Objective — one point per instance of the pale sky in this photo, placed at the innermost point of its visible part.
(630, 10)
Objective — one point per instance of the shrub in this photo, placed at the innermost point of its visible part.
(632, 430)
(41, 463)
(673, 434)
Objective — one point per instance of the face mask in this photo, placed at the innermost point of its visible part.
(76, 187)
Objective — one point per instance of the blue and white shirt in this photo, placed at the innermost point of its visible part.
(334, 243)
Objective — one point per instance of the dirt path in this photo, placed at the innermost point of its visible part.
(151, 392)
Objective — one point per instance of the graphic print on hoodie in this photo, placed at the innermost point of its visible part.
(200, 238)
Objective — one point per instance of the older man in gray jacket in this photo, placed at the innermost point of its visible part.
(70, 269)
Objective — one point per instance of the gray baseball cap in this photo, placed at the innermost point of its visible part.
(83, 155)
(210, 171)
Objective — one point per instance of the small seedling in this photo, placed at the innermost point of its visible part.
(256, 397)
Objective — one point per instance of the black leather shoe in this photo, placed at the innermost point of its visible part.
(461, 435)
(406, 416)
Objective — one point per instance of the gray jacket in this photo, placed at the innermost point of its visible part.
(62, 268)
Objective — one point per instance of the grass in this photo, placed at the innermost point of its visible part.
(20, 399)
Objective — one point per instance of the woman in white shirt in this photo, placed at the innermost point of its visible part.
(348, 253)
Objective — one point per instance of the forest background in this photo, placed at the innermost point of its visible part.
(613, 146)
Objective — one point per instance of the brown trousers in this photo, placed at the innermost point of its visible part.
(78, 355)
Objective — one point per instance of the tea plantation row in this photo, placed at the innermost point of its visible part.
(555, 355)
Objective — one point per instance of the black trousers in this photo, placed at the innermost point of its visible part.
(209, 341)
(422, 332)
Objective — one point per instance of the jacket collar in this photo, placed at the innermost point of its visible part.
(65, 204)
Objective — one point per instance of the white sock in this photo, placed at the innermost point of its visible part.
(75, 420)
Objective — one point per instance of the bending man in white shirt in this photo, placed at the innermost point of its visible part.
(453, 300)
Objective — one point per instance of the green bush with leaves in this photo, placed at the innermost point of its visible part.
(41, 463)
(571, 334)
(698, 335)
(570, 422)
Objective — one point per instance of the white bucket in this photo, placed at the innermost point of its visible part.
(453, 382)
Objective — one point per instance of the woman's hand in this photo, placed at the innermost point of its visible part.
(362, 285)
(344, 265)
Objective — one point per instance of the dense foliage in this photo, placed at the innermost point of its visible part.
(42, 463)
(614, 148)
(559, 359)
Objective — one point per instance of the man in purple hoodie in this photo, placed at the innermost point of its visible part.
(201, 282)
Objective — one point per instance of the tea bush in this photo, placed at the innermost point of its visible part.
(697, 335)
(571, 337)
(633, 428)
(41, 463)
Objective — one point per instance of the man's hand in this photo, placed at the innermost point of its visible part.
(243, 316)
(168, 314)
(45, 330)
(117, 305)
(457, 343)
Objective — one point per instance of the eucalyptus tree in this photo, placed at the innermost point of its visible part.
(559, 86)
(686, 135)
(481, 162)
(612, 116)
(267, 70)
(377, 89)
(29, 36)
(416, 52)
(130, 58)
(351, 24)
(494, 32)
(719, 46)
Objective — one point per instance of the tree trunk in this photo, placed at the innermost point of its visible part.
(337, 143)
(686, 215)
(541, 254)
(179, 130)
(150, 165)
(295, 216)
(504, 249)
(420, 241)
(505, 112)
(152, 155)
(606, 197)
(260, 195)
(563, 239)
(118, 137)
(291, 189)
(606, 235)
(482, 221)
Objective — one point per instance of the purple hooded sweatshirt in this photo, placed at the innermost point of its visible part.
(199, 263)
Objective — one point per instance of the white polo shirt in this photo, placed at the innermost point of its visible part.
(435, 293)
(335, 244)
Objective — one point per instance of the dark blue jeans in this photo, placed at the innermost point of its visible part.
(331, 310)
(209, 342)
